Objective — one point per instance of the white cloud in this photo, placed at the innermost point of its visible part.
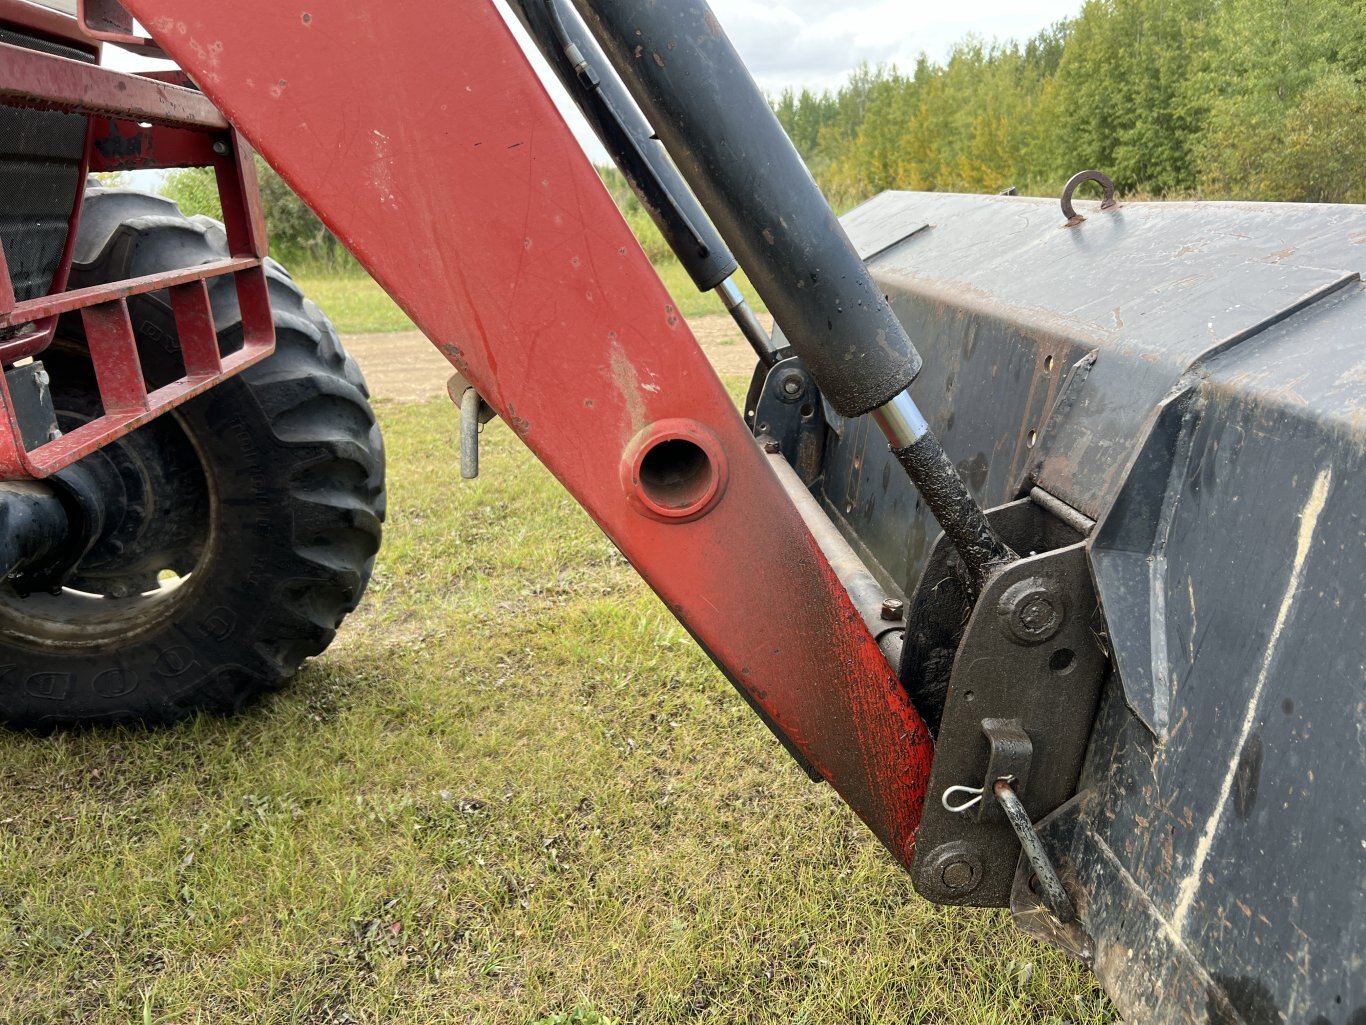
(815, 43)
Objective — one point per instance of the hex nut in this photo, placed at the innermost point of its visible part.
(893, 610)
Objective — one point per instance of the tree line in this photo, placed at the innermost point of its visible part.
(1218, 99)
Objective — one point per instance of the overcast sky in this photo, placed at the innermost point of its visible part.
(814, 44)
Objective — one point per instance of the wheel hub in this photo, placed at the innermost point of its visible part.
(140, 520)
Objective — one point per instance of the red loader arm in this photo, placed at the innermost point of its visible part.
(422, 138)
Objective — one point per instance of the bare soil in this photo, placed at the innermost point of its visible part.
(403, 366)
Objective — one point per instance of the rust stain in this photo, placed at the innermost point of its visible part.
(453, 353)
(517, 423)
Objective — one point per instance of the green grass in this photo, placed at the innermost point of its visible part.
(353, 301)
(691, 302)
(513, 791)
(359, 306)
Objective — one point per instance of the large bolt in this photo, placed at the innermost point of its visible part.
(956, 875)
(1037, 614)
(791, 386)
(953, 869)
(1031, 611)
(221, 148)
(893, 610)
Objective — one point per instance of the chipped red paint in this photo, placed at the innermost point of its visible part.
(128, 146)
(32, 79)
(452, 178)
(65, 302)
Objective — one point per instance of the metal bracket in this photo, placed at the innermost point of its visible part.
(1019, 706)
(1010, 757)
(31, 400)
(789, 411)
(109, 22)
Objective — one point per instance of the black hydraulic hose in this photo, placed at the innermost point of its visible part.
(628, 138)
(562, 34)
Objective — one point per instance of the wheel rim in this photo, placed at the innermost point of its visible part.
(160, 521)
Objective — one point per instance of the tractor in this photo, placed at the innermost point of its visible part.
(1039, 535)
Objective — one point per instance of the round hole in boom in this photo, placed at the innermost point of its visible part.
(1062, 661)
(676, 473)
(1033, 437)
(675, 470)
(1048, 363)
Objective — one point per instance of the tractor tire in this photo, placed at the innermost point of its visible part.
(239, 529)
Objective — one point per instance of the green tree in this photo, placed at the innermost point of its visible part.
(1120, 100)
(195, 191)
(297, 237)
(1286, 80)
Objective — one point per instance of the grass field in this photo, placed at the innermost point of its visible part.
(513, 791)
(359, 306)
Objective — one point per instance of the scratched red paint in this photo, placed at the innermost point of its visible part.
(470, 212)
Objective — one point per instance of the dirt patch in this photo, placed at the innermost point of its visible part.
(724, 345)
(400, 366)
(403, 366)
